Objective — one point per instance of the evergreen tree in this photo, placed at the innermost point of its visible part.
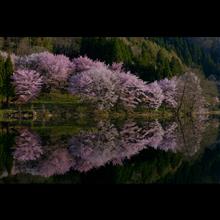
(8, 90)
(166, 70)
(175, 66)
(108, 50)
(162, 62)
(2, 63)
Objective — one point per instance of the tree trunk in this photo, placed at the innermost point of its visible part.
(181, 100)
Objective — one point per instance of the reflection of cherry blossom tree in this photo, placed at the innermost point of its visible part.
(54, 162)
(58, 162)
(190, 135)
(154, 134)
(169, 141)
(108, 143)
(92, 150)
(28, 146)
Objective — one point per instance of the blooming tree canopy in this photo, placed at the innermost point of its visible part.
(169, 88)
(117, 67)
(82, 64)
(95, 84)
(28, 84)
(130, 90)
(107, 85)
(155, 95)
(53, 68)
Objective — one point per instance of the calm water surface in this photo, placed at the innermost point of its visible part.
(111, 151)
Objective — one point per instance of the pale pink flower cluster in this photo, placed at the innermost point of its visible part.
(82, 64)
(53, 68)
(111, 85)
(28, 84)
(169, 88)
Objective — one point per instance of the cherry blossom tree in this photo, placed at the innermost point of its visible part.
(55, 69)
(111, 85)
(169, 88)
(96, 84)
(108, 87)
(118, 67)
(130, 90)
(189, 94)
(155, 95)
(82, 64)
(28, 61)
(28, 84)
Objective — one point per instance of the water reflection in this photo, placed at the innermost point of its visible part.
(47, 152)
(27, 146)
(110, 144)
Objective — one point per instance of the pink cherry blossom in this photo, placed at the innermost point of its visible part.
(28, 84)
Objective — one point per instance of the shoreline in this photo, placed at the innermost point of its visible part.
(25, 114)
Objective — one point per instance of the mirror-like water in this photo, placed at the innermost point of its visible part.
(111, 151)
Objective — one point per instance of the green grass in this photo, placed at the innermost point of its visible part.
(55, 105)
(57, 98)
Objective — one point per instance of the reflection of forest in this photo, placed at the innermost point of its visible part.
(135, 151)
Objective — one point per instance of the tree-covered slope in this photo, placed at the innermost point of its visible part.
(140, 55)
(200, 52)
(151, 57)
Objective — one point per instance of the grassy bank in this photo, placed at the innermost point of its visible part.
(57, 106)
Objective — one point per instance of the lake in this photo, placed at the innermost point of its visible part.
(118, 151)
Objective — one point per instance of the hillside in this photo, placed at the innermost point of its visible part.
(140, 55)
(152, 58)
(199, 52)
